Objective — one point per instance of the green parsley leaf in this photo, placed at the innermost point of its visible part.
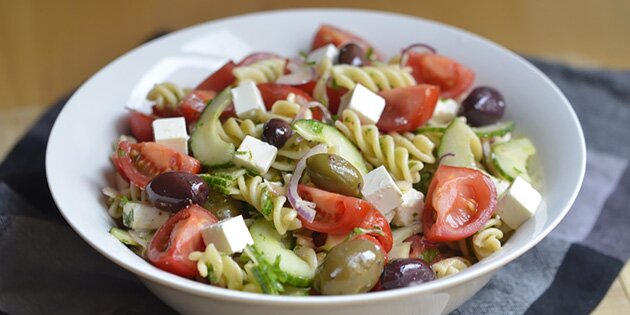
(429, 255)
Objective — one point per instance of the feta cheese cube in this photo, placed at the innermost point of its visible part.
(445, 111)
(367, 104)
(409, 211)
(172, 133)
(519, 203)
(329, 51)
(381, 191)
(140, 216)
(228, 236)
(399, 251)
(247, 99)
(255, 155)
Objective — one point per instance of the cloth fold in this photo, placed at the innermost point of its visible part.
(46, 268)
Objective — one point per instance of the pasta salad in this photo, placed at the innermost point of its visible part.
(329, 172)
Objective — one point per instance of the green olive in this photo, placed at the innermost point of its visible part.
(351, 267)
(223, 206)
(333, 173)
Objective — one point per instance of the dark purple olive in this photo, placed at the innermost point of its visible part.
(276, 132)
(483, 106)
(319, 239)
(406, 272)
(174, 191)
(352, 54)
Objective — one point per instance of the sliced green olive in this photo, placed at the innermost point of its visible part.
(351, 267)
(335, 174)
(223, 206)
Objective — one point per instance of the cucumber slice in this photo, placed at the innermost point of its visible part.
(510, 158)
(314, 130)
(460, 141)
(499, 129)
(269, 243)
(205, 142)
(123, 236)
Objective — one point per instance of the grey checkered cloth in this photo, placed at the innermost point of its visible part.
(46, 268)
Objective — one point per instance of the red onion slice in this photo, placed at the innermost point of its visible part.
(305, 106)
(418, 48)
(305, 209)
(299, 73)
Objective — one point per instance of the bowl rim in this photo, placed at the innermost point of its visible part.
(190, 286)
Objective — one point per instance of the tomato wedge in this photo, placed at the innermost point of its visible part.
(177, 238)
(334, 95)
(140, 162)
(194, 103)
(375, 221)
(408, 108)
(273, 92)
(336, 214)
(220, 79)
(459, 202)
(328, 34)
(141, 125)
(452, 77)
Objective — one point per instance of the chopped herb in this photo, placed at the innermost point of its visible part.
(429, 255)
(127, 218)
(360, 231)
(369, 55)
(303, 54)
(123, 200)
(122, 153)
(266, 203)
(269, 276)
(334, 85)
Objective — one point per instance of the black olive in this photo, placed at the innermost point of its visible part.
(352, 54)
(276, 132)
(174, 191)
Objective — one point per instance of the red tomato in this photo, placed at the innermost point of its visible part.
(328, 34)
(177, 238)
(420, 245)
(408, 108)
(336, 214)
(452, 77)
(141, 125)
(374, 220)
(459, 202)
(272, 92)
(140, 162)
(194, 103)
(165, 112)
(257, 57)
(220, 79)
(334, 95)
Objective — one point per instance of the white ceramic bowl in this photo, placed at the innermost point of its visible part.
(78, 166)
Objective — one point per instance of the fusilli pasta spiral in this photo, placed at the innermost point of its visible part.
(167, 94)
(293, 150)
(403, 155)
(257, 193)
(235, 130)
(283, 109)
(375, 78)
(488, 239)
(268, 70)
(219, 268)
(450, 266)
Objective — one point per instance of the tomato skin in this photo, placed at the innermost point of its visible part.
(453, 192)
(273, 92)
(328, 34)
(140, 162)
(141, 125)
(452, 77)
(336, 214)
(374, 220)
(220, 79)
(408, 108)
(177, 238)
(194, 103)
(334, 95)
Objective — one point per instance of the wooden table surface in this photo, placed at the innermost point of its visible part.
(47, 48)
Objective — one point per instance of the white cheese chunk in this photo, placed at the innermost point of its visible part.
(329, 51)
(228, 236)
(247, 99)
(445, 111)
(255, 155)
(409, 211)
(368, 105)
(140, 216)
(172, 133)
(381, 191)
(519, 203)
